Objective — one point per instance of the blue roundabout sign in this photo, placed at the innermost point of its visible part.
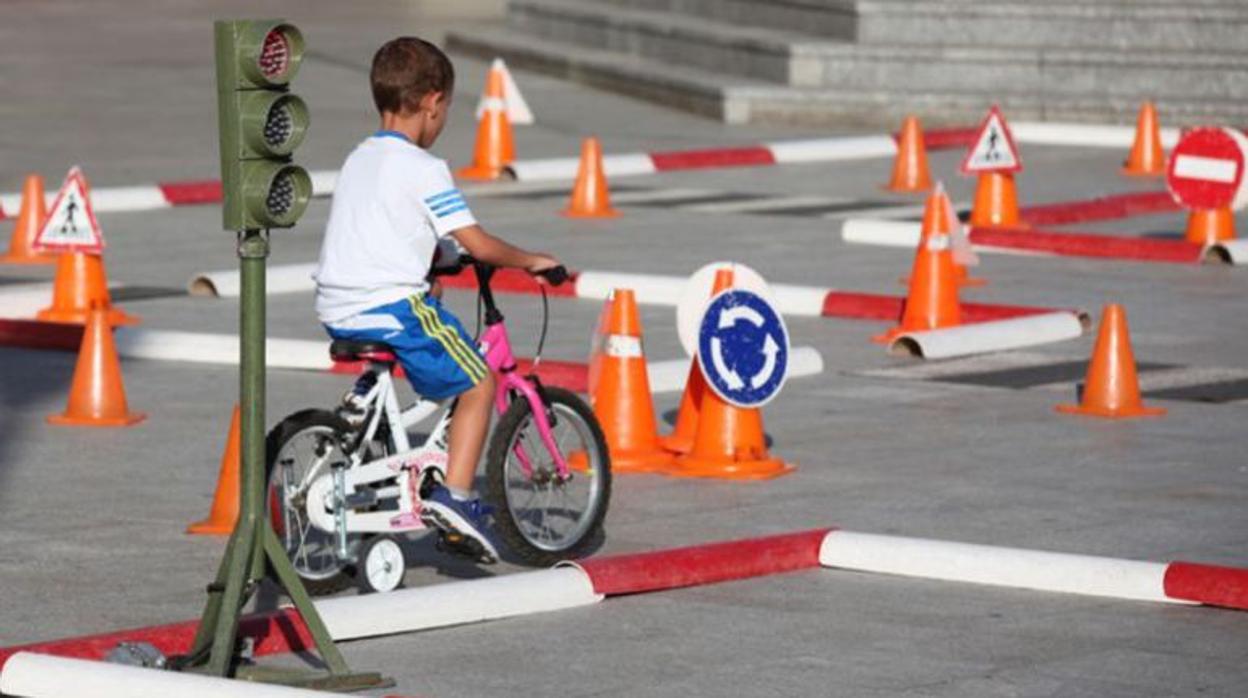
(743, 348)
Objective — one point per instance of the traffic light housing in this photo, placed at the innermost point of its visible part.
(260, 123)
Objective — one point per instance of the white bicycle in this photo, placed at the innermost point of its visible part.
(339, 495)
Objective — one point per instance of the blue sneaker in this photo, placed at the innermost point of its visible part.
(465, 525)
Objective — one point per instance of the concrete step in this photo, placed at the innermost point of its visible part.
(751, 52)
(834, 19)
(1145, 24)
(743, 100)
(680, 87)
(799, 60)
(1169, 75)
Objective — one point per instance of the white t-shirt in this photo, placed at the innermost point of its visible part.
(392, 203)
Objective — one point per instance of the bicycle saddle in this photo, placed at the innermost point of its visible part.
(349, 350)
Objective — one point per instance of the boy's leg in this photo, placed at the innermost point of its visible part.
(453, 508)
(467, 437)
(441, 362)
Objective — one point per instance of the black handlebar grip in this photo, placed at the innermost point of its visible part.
(555, 275)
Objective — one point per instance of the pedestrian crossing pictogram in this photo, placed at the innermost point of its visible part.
(71, 225)
(993, 149)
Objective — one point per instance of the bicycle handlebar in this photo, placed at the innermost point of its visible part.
(556, 276)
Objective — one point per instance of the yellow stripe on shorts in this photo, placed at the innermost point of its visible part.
(464, 355)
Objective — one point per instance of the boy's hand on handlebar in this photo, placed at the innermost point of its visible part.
(546, 269)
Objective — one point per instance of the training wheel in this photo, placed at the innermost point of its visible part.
(381, 566)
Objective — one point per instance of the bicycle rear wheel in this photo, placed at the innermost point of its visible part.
(541, 517)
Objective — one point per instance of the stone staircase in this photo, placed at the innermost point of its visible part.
(873, 61)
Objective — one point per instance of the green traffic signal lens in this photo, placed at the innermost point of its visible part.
(276, 194)
(281, 195)
(273, 123)
(279, 126)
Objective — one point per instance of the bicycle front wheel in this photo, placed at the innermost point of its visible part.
(542, 517)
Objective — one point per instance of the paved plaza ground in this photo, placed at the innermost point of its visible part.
(91, 520)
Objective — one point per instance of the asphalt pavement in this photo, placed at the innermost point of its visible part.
(91, 520)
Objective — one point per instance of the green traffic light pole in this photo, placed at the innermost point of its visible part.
(215, 650)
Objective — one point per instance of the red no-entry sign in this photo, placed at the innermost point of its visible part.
(1206, 169)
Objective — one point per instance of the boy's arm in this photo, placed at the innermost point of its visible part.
(499, 253)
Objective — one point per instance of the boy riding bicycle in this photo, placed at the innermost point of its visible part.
(392, 204)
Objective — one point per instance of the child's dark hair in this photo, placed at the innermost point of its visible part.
(405, 70)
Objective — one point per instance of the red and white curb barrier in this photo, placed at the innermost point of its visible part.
(457, 603)
(278, 278)
(1230, 251)
(1173, 582)
(846, 149)
(24, 300)
(1051, 243)
(655, 289)
(1083, 135)
(588, 582)
(43, 676)
(1101, 208)
(313, 355)
(995, 335)
(170, 194)
(778, 153)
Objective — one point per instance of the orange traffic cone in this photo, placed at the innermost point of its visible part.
(933, 299)
(943, 219)
(495, 148)
(1207, 226)
(730, 445)
(910, 173)
(81, 285)
(621, 397)
(996, 201)
(1147, 157)
(590, 197)
(728, 441)
(680, 441)
(962, 275)
(1112, 388)
(29, 220)
(224, 513)
(97, 397)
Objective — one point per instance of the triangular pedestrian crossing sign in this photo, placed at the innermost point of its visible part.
(71, 225)
(518, 112)
(993, 149)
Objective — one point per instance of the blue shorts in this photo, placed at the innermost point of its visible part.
(437, 355)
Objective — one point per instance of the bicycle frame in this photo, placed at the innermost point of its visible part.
(408, 463)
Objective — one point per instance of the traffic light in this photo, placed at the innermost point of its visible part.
(260, 124)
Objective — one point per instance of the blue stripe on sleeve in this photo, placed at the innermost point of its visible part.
(449, 211)
(447, 203)
(442, 195)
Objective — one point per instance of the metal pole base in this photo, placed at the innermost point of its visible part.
(315, 680)
(254, 546)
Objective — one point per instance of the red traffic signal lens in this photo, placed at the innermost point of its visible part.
(267, 53)
(274, 58)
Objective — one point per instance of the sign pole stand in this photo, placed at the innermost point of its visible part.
(253, 543)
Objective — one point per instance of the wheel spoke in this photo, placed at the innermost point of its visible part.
(552, 514)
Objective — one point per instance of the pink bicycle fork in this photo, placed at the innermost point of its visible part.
(502, 362)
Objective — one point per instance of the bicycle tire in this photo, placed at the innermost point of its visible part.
(290, 427)
(565, 405)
